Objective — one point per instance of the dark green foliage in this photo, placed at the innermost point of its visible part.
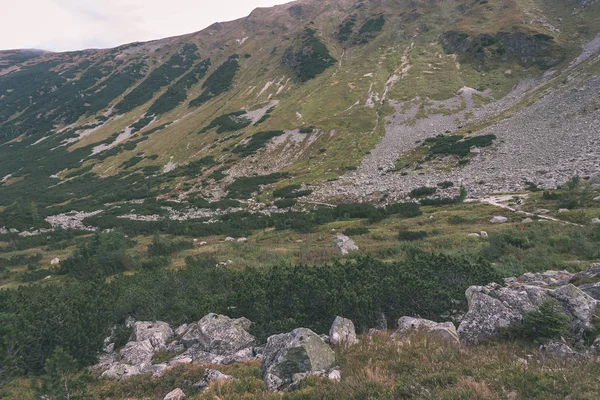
(132, 162)
(457, 145)
(443, 201)
(163, 246)
(423, 191)
(121, 335)
(286, 191)
(256, 142)
(194, 168)
(228, 122)
(20, 259)
(219, 81)
(158, 128)
(104, 255)
(412, 235)
(61, 380)
(141, 123)
(308, 129)
(218, 175)
(242, 188)
(162, 76)
(404, 210)
(286, 203)
(157, 262)
(445, 185)
(357, 231)
(177, 93)
(359, 210)
(310, 58)
(546, 323)
(373, 25)
(346, 28)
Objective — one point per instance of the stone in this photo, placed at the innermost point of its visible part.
(55, 261)
(342, 332)
(121, 372)
(443, 330)
(596, 221)
(527, 221)
(473, 235)
(221, 335)
(344, 245)
(182, 329)
(591, 289)
(558, 349)
(158, 333)
(483, 234)
(288, 358)
(597, 198)
(563, 210)
(137, 353)
(212, 375)
(229, 239)
(541, 211)
(335, 375)
(493, 307)
(176, 394)
(595, 180)
(242, 240)
(499, 220)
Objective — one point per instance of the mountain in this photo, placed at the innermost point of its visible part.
(347, 100)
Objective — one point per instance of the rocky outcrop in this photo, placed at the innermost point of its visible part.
(342, 332)
(289, 358)
(558, 349)
(443, 330)
(493, 307)
(344, 245)
(499, 220)
(221, 335)
(157, 333)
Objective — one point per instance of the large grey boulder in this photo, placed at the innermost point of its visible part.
(344, 245)
(443, 330)
(558, 349)
(158, 333)
(499, 220)
(342, 332)
(290, 357)
(121, 372)
(221, 335)
(137, 353)
(176, 394)
(493, 307)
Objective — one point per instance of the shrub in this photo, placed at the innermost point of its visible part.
(422, 191)
(256, 142)
(286, 203)
(228, 122)
(357, 231)
(445, 185)
(163, 246)
(457, 145)
(244, 187)
(219, 81)
(412, 235)
(546, 323)
(404, 210)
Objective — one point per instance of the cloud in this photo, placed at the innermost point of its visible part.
(62, 25)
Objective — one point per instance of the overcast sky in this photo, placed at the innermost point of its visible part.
(62, 25)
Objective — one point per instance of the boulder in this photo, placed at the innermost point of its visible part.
(212, 375)
(290, 357)
(137, 353)
(55, 261)
(158, 333)
(591, 289)
(493, 307)
(176, 394)
(222, 335)
(594, 179)
(342, 332)
(527, 221)
(121, 371)
(499, 220)
(443, 330)
(558, 349)
(595, 220)
(344, 245)
(597, 198)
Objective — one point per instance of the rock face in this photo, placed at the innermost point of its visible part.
(289, 358)
(222, 335)
(493, 307)
(176, 394)
(158, 333)
(342, 332)
(443, 330)
(215, 339)
(344, 245)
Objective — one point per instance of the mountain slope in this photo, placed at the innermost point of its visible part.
(302, 93)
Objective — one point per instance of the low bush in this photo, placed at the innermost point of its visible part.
(357, 231)
(286, 203)
(422, 191)
(412, 235)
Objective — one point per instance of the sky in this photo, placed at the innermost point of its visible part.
(66, 25)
